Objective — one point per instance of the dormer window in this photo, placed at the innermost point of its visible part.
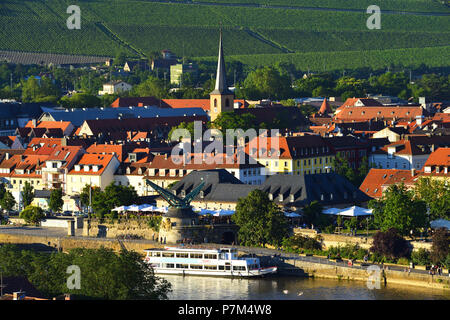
(95, 168)
(128, 170)
(86, 168)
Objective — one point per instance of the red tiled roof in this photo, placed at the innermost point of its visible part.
(63, 125)
(378, 179)
(325, 107)
(440, 157)
(137, 102)
(100, 160)
(188, 103)
(387, 113)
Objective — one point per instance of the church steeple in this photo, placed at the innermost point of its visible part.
(221, 98)
(221, 79)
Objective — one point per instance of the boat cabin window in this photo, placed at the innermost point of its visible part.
(182, 255)
(155, 265)
(210, 256)
(227, 267)
(196, 256)
(182, 266)
(210, 267)
(196, 266)
(168, 254)
(156, 254)
(170, 265)
(221, 267)
(238, 268)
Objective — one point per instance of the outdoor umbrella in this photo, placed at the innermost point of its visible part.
(334, 211)
(121, 208)
(440, 223)
(222, 212)
(292, 214)
(355, 211)
(133, 207)
(148, 208)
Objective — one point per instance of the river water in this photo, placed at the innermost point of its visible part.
(291, 288)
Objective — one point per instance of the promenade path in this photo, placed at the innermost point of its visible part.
(272, 255)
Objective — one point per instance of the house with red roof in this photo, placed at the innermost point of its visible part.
(378, 180)
(438, 164)
(91, 169)
(403, 154)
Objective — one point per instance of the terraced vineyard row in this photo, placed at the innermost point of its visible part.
(398, 5)
(339, 60)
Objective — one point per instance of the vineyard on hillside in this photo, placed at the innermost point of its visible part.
(398, 5)
(252, 34)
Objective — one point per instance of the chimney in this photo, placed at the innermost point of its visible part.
(7, 156)
(64, 141)
(413, 172)
(33, 123)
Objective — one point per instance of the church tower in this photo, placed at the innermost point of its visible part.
(221, 99)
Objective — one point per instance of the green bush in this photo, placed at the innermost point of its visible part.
(403, 261)
(154, 222)
(421, 257)
(447, 261)
(32, 214)
(300, 242)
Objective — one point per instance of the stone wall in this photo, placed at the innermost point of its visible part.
(136, 227)
(334, 240)
(331, 271)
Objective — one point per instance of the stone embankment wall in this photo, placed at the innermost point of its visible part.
(335, 240)
(135, 227)
(67, 243)
(330, 271)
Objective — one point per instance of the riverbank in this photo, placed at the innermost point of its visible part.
(289, 264)
(374, 276)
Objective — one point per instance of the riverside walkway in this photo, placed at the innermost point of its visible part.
(271, 256)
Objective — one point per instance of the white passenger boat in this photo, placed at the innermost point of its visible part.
(213, 262)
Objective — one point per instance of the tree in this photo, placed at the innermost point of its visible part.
(81, 100)
(104, 201)
(436, 194)
(266, 82)
(260, 220)
(231, 120)
(313, 215)
(441, 246)
(398, 209)
(152, 87)
(390, 244)
(7, 202)
(105, 274)
(56, 202)
(32, 214)
(27, 194)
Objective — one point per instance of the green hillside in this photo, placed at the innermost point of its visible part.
(251, 33)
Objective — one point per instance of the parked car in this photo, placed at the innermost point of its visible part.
(67, 213)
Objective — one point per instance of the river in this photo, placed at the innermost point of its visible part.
(291, 288)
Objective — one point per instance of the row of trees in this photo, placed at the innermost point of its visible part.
(411, 211)
(104, 274)
(277, 82)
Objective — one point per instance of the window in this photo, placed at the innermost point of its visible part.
(170, 265)
(210, 256)
(196, 256)
(196, 266)
(156, 254)
(210, 267)
(238, 268)
(168, 254)
(222, 268)
(182, 266)
(182, 255)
